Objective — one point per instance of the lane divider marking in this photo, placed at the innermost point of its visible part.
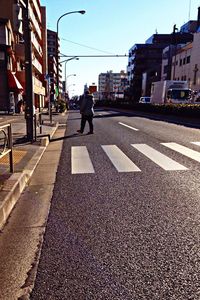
(128, 126)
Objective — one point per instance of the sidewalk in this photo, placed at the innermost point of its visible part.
(26, 157)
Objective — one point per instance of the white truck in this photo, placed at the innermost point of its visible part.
(170, 91)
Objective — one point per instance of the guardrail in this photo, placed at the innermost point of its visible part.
(6, 144)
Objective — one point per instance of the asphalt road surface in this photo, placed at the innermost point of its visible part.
(124, 222)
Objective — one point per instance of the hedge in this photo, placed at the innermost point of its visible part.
(186, 110)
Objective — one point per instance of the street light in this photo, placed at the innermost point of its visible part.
(66, 80)
(82, 12)
(66, 61)
(73, 84)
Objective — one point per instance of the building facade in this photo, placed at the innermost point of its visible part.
(111, 85)
(54, 71)
(145, 62)
(187, 63)
(52, 52)
(13, 10)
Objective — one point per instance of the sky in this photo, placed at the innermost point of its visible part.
(110, 27)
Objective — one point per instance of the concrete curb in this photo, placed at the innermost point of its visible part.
(14, 186)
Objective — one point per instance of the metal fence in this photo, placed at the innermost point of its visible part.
(6, 144)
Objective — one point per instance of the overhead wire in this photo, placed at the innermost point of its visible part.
(82, 45)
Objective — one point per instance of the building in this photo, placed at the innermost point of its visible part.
(9, 85)
(112, 85)
(145, 62)
(144, 67)
(13, 10)
(52, 52)
(186, 63)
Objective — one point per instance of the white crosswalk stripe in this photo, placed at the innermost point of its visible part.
(80, 160)
(160, 159)
(196, 143)
(195, 155)
(121, 162)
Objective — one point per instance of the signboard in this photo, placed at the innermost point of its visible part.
(92, 89)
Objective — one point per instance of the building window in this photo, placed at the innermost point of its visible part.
(180, 63)
(195, 74)
(184, 61)
(188, 60)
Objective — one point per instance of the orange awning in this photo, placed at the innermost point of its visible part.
(13, 82)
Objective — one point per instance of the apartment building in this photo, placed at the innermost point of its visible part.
(145, 62)
(13, 11)
(8, 81)
(112, 85)
(52, 51)
(186, 63)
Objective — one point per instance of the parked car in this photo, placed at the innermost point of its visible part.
(145, 100)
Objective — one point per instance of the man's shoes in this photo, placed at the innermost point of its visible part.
(90, 132)
(79, 131)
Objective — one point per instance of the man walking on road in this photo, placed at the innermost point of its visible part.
(87, 112)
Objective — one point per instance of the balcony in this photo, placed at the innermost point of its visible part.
(36, 44)
(37, 9)
(37, 65)
(35, 23)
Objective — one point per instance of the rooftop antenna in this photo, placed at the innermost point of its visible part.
(189, 10)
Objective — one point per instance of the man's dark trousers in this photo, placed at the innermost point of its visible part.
(83, 122)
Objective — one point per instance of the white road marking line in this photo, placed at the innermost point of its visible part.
(80, 160)
(195, 143)
(121, 162)
(195, 155)
(128, 126)
(160, 159)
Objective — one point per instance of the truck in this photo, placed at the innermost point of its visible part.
(170, 91)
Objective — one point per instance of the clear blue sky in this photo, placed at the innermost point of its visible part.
(111, 27)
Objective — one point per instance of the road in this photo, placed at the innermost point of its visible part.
(125, 213)
(124, 219)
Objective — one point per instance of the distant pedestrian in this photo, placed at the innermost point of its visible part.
(87, 112)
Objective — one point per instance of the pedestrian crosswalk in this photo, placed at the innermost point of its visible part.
(121, 162)
(81, 161)
(160, 159)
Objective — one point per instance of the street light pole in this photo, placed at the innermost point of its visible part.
(175, 43)
(57, 56)
(28, 72)
(66, 61)
(66, 80)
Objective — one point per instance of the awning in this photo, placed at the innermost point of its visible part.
(13, 82)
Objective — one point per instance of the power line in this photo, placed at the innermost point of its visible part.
(114, 55)
(92, 48)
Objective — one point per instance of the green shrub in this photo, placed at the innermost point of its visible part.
(61, 105)
(186, 110)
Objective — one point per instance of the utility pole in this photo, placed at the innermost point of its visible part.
(28, 72)
(174, 43)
